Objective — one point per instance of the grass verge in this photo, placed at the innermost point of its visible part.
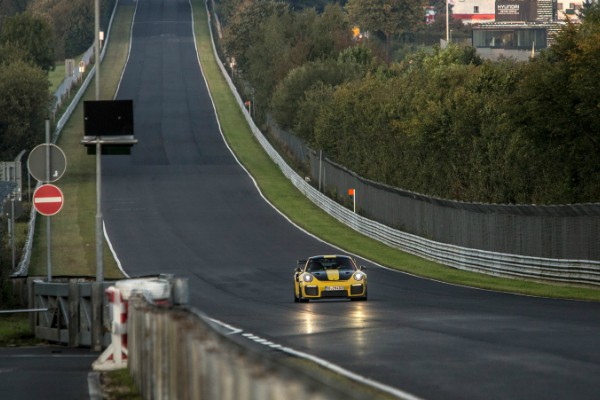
(15, 331)
(119, 385)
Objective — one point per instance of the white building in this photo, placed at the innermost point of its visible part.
(473, 11)
(568, 9)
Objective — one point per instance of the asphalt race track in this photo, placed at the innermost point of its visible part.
(181, 204)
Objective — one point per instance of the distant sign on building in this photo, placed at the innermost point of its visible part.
(516, 10)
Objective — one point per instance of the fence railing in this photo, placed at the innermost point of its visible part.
(585, 272)
(69, 313)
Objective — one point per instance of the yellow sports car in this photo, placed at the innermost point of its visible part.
(329, 276)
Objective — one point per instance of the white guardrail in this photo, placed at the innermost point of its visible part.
(585, 272)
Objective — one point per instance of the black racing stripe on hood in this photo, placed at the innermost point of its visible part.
(322, 275)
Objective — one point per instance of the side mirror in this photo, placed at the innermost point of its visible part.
(362, 268)
(298, 270)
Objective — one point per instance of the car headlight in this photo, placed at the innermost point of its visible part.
(359, 276)
(307, 278)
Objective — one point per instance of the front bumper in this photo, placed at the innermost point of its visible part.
(333, 289)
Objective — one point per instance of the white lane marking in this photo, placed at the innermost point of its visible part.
(401, 394)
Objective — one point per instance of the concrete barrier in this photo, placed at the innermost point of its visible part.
(175, 353)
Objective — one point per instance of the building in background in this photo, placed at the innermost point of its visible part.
(568, 9)
(473, 11)
(522, 27)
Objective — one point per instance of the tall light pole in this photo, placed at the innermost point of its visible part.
(97, 294)
(99, 244)
(447, 23)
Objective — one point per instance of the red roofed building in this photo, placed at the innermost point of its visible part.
(473, 11)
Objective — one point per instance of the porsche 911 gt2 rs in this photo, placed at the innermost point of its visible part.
(329, 276)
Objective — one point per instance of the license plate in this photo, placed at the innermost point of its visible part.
(330, 288)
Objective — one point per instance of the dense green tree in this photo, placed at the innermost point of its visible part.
(390, 17)
(10, 53)
(79, 33)
(34, 34)
(23, 107)
(246, 26)
(225, 10)
(290, 91)
(12, 7)
(443, 122)
(73, 23)
(559, 112)
(330, 33)
(268, 39)
(310, 106)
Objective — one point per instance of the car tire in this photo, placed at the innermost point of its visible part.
(300, 298)
(364, 298)
(296, 299)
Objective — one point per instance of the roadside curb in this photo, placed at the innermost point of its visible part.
(95, 388)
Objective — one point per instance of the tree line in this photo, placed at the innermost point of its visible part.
(35, 34)
(442, 122)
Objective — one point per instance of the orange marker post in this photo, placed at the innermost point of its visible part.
(352, 192)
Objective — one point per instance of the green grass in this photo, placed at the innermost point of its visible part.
(15, 330)
(56, 76)
(73, 228)
(119, 385)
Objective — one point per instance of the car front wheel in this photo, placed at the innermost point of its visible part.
(300, 298)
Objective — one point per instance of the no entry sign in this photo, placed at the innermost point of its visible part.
(48, 199)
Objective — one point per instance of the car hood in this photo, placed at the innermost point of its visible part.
(333, 275)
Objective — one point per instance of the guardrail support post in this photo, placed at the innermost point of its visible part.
(73, 317)
(97, 298)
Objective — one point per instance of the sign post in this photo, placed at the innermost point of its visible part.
(47, 163)
(108, 129)
(352, 192)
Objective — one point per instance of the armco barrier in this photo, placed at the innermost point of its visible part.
(175, 353)
(586, 272)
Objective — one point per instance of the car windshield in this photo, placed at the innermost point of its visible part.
(323, 263)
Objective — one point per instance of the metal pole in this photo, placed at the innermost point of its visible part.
(12, 230)
(320, 167)
(447, 23)
(99, 247)
(97, 286)
(97, 45)
(48, 219)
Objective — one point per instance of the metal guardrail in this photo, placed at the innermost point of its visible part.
(585, 272)
(64, 88)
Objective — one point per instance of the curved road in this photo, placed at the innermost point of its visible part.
(181, 204)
